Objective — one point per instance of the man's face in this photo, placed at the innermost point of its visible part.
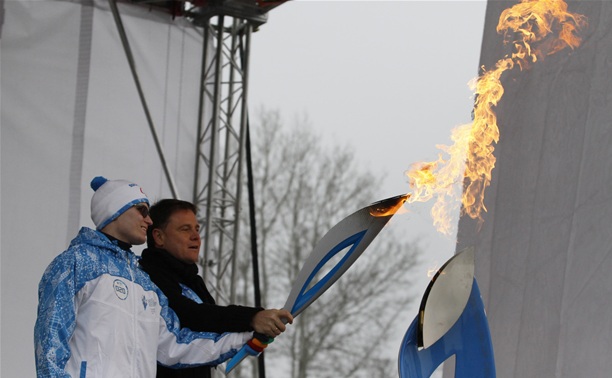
(131, 226)
(181, 236)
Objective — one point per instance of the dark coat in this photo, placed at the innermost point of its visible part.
(169, 274)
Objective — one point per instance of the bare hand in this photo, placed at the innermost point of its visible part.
(271, 322)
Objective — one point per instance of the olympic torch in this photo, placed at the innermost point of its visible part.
(351, 235)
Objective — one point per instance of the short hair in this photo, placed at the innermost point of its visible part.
(160, 214)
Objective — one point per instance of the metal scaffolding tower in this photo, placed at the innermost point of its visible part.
(220, 160)
(221, 141)
(222, 123)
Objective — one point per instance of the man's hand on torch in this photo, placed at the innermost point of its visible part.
(271, 322)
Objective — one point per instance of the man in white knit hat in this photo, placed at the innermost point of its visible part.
(99, 314)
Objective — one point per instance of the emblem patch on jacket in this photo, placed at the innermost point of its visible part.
(149, 303)
(121, 289)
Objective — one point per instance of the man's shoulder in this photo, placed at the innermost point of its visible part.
(88, 236)
(87, 244)
(89, 251)
(156, 262)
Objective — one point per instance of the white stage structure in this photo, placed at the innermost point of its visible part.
(544, 252)
(142, 91)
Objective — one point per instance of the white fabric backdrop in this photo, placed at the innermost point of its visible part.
(544, 253)
(69, 112)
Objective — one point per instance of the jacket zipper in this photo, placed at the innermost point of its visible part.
(134, 319)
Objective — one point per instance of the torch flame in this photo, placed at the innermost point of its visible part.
(470, 160)
(389, 207)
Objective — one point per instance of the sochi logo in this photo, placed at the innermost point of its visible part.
(121, 289)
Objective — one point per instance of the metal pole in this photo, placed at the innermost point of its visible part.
(130, 58)
(214, 133)
(199, 141)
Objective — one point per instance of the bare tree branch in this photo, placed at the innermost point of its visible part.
(303, 189)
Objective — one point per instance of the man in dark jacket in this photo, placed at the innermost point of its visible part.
(173, 242)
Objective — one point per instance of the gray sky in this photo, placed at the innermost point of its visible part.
(390, 78)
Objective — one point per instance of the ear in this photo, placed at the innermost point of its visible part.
(158, 237)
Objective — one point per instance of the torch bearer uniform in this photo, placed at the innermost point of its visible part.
(100, 315)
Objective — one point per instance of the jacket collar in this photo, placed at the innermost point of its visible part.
(159, 256)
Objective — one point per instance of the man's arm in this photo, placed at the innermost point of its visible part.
(180, 347)
(206, 317)
(198, 316)
(56, 318)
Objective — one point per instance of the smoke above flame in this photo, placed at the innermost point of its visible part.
(536, 28)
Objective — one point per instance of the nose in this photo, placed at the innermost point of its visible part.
(148, 220)
(195, 235)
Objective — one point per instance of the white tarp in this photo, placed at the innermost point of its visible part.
(544, 252)
(69, 112)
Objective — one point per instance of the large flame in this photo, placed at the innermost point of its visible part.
(539, 28)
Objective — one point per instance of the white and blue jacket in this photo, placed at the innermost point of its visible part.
(99, 315)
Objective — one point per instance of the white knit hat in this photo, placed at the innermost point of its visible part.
(112, 198)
